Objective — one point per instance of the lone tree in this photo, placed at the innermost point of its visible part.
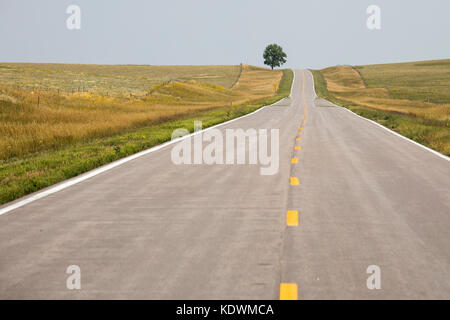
(274, 56)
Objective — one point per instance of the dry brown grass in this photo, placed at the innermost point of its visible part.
(256, 83)
(347, 85)
(343, 78)
(414, 98)
(63, 119)
(114, 80)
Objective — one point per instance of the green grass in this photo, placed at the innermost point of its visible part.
(284, 88)
(410, 127)
(422, 81)
(412, 98)
(21, 176)
(320, 86)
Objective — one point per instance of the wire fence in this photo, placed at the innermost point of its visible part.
(75, 90)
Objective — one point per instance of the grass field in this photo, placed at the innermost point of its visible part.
(112, 80)
(69, 134)
(412, 99)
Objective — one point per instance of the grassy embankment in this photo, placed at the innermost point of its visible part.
(126, 109)
(412, 99)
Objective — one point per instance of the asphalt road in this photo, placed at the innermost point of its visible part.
(155, 230)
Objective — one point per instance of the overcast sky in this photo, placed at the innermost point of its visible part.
(313, 33)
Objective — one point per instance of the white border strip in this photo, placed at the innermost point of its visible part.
(387, 129)
(68, 183)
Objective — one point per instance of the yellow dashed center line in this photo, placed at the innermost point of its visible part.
(292, 218)
(288, 291)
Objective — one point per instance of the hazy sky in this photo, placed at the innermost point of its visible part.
(313, 33)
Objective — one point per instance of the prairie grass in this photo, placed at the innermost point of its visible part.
(71, 134)
(114, 80)
(62, 119)
(410, 98)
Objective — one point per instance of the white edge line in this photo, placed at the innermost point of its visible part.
(94, 172)
(387, 129)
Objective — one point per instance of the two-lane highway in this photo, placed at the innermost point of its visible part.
(367, 197)
(155, 230)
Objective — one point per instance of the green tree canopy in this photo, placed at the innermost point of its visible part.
(274, 56)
